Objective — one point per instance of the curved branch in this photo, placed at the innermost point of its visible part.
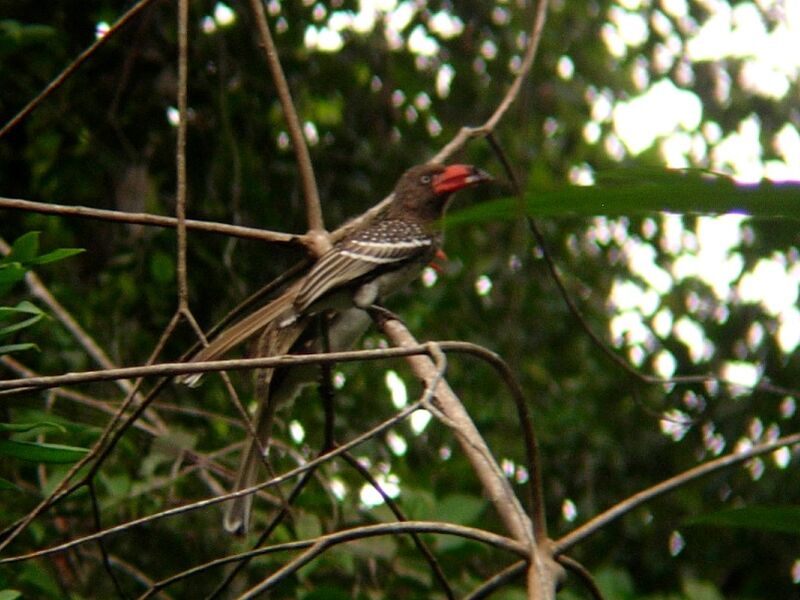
(350, 535)
(316, 547)
(492, 584)
(626, 506)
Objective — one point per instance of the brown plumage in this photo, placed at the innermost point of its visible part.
(359, 270)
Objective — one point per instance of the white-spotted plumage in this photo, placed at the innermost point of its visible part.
(385, 242)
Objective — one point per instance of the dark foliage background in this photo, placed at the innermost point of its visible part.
(105, 140)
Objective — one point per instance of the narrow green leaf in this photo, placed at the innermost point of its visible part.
(40, 452)
(646, 192)
(23, 307)
(55, 255)
(25, 248)
(21, 325)
(17, 427)
(781, 519)
(10, 594)
(9, 348)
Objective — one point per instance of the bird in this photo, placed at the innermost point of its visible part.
(354, 275)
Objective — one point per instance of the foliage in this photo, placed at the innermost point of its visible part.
(371, 109)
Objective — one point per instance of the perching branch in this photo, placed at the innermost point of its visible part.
(543, 571)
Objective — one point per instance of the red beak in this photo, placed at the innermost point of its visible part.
(457, 177)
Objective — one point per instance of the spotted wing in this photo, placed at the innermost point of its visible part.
(378, 248)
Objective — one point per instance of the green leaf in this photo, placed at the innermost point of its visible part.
(11, 273)
(780, 519)
(23, 307)
(10, 594)
(645, 192)
(17, 427)
(59, 254)
(9, 348)
(25, 248)
(41, 452)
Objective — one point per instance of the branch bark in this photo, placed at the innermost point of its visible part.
(543, 571)
(316, 226)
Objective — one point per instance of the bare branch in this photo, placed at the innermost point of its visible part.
(468, 133)
(627, 505)
(583, 574)
(485, 537)
(169, 369)
(315, 547)
(180, 151)
(73, 66)
(505, 576)
(148, 219)
(316, 226)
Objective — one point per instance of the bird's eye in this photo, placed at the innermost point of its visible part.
(426, 179)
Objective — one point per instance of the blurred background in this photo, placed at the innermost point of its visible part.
(381, 85)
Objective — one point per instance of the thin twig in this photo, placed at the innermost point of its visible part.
(98, 525)
(199, 504)
(468, 133)
(315, 547)
(73, 66)
(627, 505)
(148, 219)
(180, 152)
(583, 574)
(170, 369)
(505, 576)
(485, 537)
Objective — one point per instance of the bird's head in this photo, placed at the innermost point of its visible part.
(423, 191)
